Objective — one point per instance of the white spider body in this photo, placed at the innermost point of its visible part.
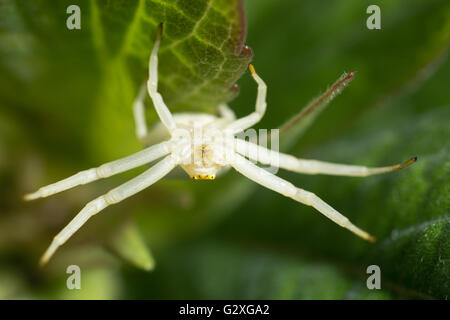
(201, 144)
(198, 143)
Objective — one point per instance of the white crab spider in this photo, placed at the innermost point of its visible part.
(201, 158)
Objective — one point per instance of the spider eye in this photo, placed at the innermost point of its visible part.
(203, 177)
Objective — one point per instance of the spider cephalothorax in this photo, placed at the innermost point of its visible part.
(202, 144)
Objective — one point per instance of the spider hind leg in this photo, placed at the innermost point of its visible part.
(129, 188)
(277, 184)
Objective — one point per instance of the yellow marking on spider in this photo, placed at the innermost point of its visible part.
(203, 177)
(406, 163)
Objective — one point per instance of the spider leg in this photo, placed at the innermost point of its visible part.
(108, 169)
(287, 189)
(118, 194)
(291, 163)
(226, 113)
(139, 115)
(253, 118)
(152, 85)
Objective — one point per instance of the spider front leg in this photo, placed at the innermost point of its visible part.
(291, 163)
(152, 85)
(253, 118)
(287, 189)
(116, 195)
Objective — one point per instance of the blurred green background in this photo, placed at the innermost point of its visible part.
(65, 105)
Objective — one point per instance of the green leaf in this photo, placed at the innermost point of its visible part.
(88, 78)
(216, 270)
(295, 127)
(202, 54)
(128, 243)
